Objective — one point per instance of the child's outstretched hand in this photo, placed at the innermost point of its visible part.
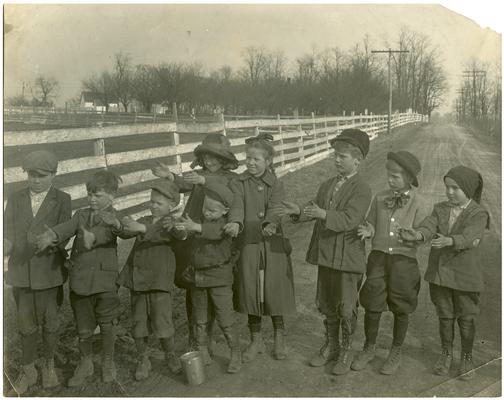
(232, 229)
(194, 178)
(130, 225)
(441, 241)
(365, 230)
(88, 238)
(409, 235)
(162, 171)
(285, 208)
(46, 239)
(270, 229)
(187, 224)
(110, 219)
(314, 211)
(168, 222)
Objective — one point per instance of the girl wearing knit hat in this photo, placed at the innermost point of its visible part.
(455, 230)
(217, 161)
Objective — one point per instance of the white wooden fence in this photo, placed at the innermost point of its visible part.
(298, 142)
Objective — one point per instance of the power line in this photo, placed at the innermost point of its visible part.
(390, 52)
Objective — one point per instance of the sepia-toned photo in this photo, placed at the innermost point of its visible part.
(251, 200)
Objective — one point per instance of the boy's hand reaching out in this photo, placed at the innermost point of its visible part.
(194, 178)
(409, 235)
(286, 208)
(129, 224)
(46, 239)
(187, 224)
(232, 229)
(441, 241)
(110, 219)
(162, 171)
(365, 230)
(314, 211)
(270, 229)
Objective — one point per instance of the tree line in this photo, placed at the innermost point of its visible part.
(479, 100)
(328, 81)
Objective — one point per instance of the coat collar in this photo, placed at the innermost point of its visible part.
(351, 181)
(268, 177)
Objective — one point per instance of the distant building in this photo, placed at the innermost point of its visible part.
(91, 101)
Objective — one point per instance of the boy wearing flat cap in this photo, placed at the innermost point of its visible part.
(211, 270)
(338, 209)
(392, 276)
(455, 230)
(149, 274)
(37, 277)
(217, 161)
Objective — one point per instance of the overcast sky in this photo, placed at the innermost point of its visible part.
(71, 42)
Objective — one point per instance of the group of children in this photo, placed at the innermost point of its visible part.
(229, 252)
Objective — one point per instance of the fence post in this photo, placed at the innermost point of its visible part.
(221, 119)
(99, 150)
(300, 142)
(326, 133)
(176, 142)
(282, 154)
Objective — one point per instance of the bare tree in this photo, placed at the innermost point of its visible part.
(122, 79)
(145, 86)
(102, 87)
(44, 89)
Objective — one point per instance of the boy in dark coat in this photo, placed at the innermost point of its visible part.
(217, 161)
(338, 209)
(211, 271)
(93, 273)
(149, 274)
(392, 276)
(36, 277)
(455, 229)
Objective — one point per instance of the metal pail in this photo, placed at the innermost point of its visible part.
(194, 368)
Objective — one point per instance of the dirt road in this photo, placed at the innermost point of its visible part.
(439, 147)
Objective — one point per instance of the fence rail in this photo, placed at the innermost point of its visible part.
(299, 142)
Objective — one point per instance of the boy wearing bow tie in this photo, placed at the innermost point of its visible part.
(392, 276)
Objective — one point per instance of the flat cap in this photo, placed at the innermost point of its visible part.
(168, 189)
(42, 161)
(355, 137)
(219, 192)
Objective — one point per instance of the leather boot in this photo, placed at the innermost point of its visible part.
(255, 347)
(279, 351)
(27, 377)
(392, 362)
(444, 362)
(466, 370)
(85, 368)
(330, 349)
(202, 343)
(364, 357)
(109, 372)
(210, 336)
(344, 360)
(233, 341)
(172, 360)
(49, 377)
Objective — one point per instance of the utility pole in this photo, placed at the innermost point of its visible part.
(474, 73)
(389, 51)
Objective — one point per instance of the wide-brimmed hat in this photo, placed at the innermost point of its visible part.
(355, 137)
(218, 145)
(408, 162)
(42, 161)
